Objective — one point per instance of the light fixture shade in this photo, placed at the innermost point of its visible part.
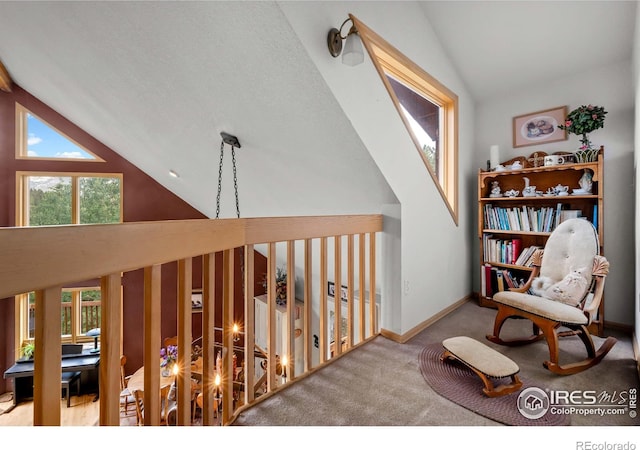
(352, 54)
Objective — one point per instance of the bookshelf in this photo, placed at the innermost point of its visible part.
(508, 227)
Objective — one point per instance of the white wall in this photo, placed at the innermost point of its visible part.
(435, 254)
(611, 87)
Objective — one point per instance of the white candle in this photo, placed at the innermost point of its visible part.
(495, 156)
(217, 383)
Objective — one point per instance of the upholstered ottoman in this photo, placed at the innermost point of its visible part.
(485, 362)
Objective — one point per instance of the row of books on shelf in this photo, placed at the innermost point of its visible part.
(495, 279)
(507, 251)
(527, 218)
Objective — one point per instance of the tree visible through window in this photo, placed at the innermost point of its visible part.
(49, 199)
(63, 199)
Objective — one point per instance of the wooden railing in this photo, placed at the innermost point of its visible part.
(89, 316)
(107, 251)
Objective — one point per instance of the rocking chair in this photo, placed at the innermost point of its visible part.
(564, 291)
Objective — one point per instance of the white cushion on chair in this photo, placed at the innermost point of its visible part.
(572, 245)
(543, 307)
(571, 289)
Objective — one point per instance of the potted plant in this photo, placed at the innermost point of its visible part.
(582, 121)
(168, 358)
(27, 350)
(281, 285)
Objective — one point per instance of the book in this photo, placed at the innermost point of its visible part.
(508, 279)
(525, 256)
(488, 284)
(567, 214)
(494, 280)
(500, 280)
(525, 219)
(529, 262)
(558, 213)
(516, 245)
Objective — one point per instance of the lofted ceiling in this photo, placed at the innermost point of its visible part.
(504, 46)
(158, 81)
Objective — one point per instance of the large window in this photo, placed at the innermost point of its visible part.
(62, 199)
(68, 198)
(59, 198)
(428, 109)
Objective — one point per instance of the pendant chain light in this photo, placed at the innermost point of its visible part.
(233, 142)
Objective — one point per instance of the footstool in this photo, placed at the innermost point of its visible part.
(485, 362)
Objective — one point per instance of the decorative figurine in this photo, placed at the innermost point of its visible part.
(585, 181)
(512, 193)
(528, 191)
(495, 190)
(561, 190)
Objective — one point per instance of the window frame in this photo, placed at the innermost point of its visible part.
(390, 61)
(22, 189)
(22, 137)
(22, 300)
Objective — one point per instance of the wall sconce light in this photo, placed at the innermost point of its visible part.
(353, 53)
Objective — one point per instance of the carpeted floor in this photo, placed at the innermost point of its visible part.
(456, 382)
(380, 384)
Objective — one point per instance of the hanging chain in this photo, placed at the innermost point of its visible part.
(219, 179)
(235, 179)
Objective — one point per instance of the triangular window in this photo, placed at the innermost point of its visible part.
(39, 140)
(428, 109)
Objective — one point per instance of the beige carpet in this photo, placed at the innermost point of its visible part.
(456, 382)
(380, 384)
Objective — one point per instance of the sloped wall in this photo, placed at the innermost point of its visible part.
(434, 265)
(143, 199)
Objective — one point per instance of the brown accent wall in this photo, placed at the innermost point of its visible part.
(143, 199)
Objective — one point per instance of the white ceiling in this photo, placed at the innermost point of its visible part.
(503, 46)
(158, 81)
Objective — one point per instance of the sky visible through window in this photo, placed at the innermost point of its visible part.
(45, 142)
(423, 138)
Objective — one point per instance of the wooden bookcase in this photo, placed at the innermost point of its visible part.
(588, 206)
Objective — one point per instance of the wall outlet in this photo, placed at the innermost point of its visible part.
(406, 287)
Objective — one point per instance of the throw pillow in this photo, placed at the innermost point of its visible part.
(571, 289)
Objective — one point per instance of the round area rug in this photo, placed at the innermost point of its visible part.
(459, 384)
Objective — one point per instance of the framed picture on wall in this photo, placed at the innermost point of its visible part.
(540, 127)
(331, 290)
(196, 300)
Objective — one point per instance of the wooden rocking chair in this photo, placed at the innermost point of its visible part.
(572, 245)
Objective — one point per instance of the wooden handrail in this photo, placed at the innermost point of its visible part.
(32, 255)
(43, 259)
